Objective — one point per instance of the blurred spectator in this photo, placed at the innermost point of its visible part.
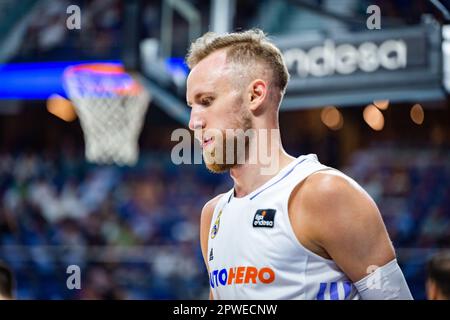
(6, 283)
(438, 277)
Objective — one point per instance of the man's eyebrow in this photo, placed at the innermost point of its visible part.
(200, 94)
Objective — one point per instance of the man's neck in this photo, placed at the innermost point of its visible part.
(248, 177)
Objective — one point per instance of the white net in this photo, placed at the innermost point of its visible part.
(111, 106)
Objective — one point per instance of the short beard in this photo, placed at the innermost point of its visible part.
(244, 123)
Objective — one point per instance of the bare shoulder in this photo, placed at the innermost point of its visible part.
(338, 219)
(327, 191)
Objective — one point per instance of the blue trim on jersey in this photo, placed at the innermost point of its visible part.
(287, 173)
(347, 288)
(334, 295)
(321, 294)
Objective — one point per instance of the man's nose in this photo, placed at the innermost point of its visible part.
(195, 122)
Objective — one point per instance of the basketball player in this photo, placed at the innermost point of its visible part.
(302, 231)
(438, 277)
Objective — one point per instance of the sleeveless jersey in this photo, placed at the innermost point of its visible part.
(253, 252)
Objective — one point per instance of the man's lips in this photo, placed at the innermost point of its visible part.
(207, 142)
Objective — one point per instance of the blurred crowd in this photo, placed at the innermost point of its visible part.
(48, 38)
(411, 189)
(134, 231)
(101, 35)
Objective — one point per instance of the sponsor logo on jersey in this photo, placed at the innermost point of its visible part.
(264, 218)
(215, 227)
(241, 275)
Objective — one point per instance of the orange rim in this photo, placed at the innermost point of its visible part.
(108, 68)
(99, 67)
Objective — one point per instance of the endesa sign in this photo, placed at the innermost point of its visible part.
(354, 68)
(330, 59)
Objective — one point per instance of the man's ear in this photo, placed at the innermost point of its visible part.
(257, 94)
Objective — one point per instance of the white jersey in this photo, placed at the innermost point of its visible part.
(253, 252)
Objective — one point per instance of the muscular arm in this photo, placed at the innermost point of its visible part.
(205, 223)
(334, 217)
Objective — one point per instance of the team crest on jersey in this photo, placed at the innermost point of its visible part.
(215, 227)
(264, 218)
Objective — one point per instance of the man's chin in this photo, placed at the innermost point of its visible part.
(219, 168)
(216, 167)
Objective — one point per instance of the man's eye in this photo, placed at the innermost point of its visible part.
(206, 101)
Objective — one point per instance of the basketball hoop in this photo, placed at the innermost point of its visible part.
(111, 106)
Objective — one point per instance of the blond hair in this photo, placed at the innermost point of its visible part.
(243, 48)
